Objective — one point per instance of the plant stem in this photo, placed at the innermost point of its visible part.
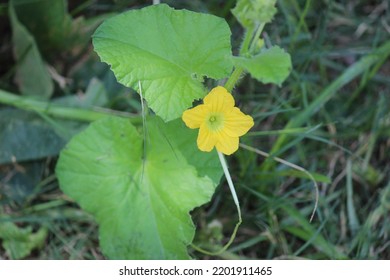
(250, 32)
(257, 34)
(236, 202)
(234, 77)
(79, 114)
(247, 49)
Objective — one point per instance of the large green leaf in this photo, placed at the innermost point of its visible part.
(32, 75)
(140, 192)
(272, 65)
(169, 51)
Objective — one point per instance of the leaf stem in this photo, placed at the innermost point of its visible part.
(259, 29)
(234, 77)
(247, 49)
(230, 182)
(236, 202)
(249, 34)
(79, 114)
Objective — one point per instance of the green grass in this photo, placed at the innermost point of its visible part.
(330, 117)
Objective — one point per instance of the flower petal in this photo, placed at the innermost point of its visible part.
(194, 117)
(206, 139)
(236, 123)
(226, 144)
(219, 100)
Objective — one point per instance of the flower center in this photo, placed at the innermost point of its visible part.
(215, 121)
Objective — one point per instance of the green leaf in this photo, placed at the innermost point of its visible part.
(252, 12)
(169, 51)
(47, 20)
(32, 75)
(141, 201)
(24, 136)
(23, 185)
(272, 65)
(19, 242)
(53, 27)
(207, 164)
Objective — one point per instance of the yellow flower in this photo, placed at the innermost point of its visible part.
(219, 122)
